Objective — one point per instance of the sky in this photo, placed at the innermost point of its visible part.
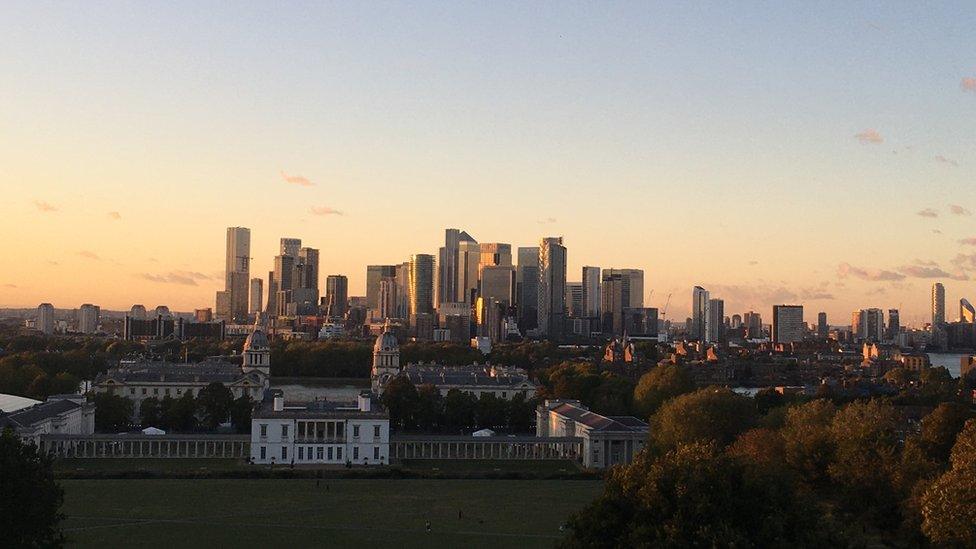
(820, 153)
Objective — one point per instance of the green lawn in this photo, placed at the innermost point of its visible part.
(79, 466)
(336, 513)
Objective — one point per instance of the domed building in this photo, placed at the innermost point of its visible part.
(386, 358)
(257, 352)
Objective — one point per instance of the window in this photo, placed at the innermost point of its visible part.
(179, 391)
(376, 431)
(301, 452)
(339, 453)
(330, 453)
(355, 431)
(264, 453)
(264, 429)
(132, 391)
(504, 394)
(143, 390)
(376, 452)
(156, 391)
(167, 390)
(284, 431)
(320, 451)
(355, 452)
(284, 453)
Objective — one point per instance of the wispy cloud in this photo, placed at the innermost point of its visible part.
(919, 271)
(115, 215)
(324, 210)
(45, 206)
(927, 212)
(14, 286)
(869, 137)
(959, 210)
(926, 263)
(296, 180)
(965, 261)
(971, 241)
(547, 220)
(945, 160)
(89, 255)
(845, 270)
(968, 83)
(937, 231)
(184, 278)
(753, 263)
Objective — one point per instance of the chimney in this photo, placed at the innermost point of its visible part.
(279, 403)
(365, 401)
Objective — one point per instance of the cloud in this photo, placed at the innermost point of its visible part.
(869, 137)
(926, 263)
(324, 210)
(115, 215)
(971, 241)
(52, 262)
(937, 231)
(968, 83)
(89, 255)
(753, 262)
(183, 278)
(296, 180)
(10, 286)
(965, 261)
(927, 212)
(944, 160)
(918, 271)
(45, 206)
(548, 220)
(845, 270)
(959, 210)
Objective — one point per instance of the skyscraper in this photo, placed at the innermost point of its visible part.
(138, 312)
(552, 287)
(447, 277)
(421, 286)
(753, 323)
(894, 325)
(387, 299)
(272, 307)
(699, 313)
(236, 275)
(591, 292)
(788, 324)
(868, 325)
(468, 264)
(88, 316)
(527, 288)
(257, 295)
(716, 321)
(495, 253)
(966, 311)
(823, 328)
(620, 289)
(574, 299)
(498, 284)
(374, 274)
(45, 318)
(938, 304)
(290, 247)
(336, 295)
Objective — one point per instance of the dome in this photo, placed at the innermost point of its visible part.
(386, 341)
(256, 340)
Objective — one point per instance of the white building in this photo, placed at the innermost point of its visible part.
(321, 432)
(606, 440)
(88, 316)
(45, 318)
(58, 415)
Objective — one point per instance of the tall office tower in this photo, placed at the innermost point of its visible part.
(45, 318)
(447, 274)
(305, 282)
(387, 298)
(788, 324)
(308, 258)
(222, 305)
(552, 287)
(468, 264)
(966, 311)
(753, 323)
(138, 312)
(699, 313)
(894, 325)
(257, 296)
(527, 288)
(868, 325)
(88, 318)
(823, 329)
(620, 289)
(290, 247)
(374, 274)
(574, 299)
(938, 304)
(403, 290)
(495, 253)
(498, 284)
(336, 295)
(421, 284)
(716, 321)
(591, 292)
(284, 272)
(236, 275)
(272, 307)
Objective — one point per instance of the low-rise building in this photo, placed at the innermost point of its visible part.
(321, 432)
(606, 440)
(58, 415)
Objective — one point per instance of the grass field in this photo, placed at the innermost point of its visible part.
(335, 513)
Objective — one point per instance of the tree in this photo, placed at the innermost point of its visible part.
(180, 414)
(151, 412)
(707, 415)
(459, 410)
(30, 499)
(949, 504)
(240, 413)
(214, 402)
(112, 413)
(807, 445)
(940, 429)
(429, 408)
(400, 399)
(659, 385)
(693, 496)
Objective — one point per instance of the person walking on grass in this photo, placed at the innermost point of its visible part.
(427, 525)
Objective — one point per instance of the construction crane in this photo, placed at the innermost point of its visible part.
(664, 313)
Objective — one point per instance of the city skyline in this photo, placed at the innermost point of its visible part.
(117, 190)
